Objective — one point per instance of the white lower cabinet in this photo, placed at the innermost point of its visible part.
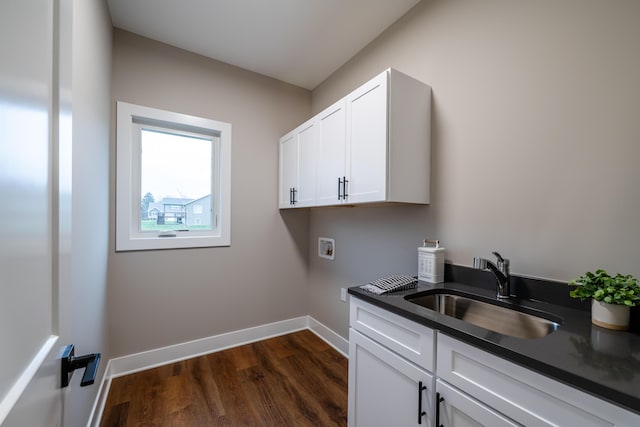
(457, 409)
(390, 391)
(524, 396)
(392, 358)
(390, 369)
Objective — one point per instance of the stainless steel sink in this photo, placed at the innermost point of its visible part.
(488, 315)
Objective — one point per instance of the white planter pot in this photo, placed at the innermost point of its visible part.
(610, 316)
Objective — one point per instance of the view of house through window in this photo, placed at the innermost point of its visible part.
(175, 180)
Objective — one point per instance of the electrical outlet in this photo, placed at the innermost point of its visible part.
(343, 295)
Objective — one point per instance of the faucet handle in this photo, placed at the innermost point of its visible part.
(503, 264)
(500, 259)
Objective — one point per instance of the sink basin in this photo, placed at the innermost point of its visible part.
(488, 315)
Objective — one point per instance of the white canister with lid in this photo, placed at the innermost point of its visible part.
(431, 262)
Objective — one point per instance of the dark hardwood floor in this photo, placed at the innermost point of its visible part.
(291, 380)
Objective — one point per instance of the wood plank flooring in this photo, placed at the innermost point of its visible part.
(291, 380)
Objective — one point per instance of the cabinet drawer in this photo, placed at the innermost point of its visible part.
(411, 340)
(523, 395)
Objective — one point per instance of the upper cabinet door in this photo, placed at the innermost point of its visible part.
(298, 152)
(288, 168)
(305, 190)
(331, 154)
(367, 142)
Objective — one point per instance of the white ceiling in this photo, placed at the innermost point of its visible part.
(297, 41)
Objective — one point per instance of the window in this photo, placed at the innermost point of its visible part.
(173, 175)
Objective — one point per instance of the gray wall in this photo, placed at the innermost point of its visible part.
(91, 92)
(535, 145)
(159, 298)
(536, 141)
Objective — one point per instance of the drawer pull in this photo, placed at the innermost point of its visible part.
(421, 413)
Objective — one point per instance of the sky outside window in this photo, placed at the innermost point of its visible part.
(175, 165)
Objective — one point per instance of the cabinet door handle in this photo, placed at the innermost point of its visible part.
(439, 399)
(421, 413)
(295, 192)
(290, 195)
(339, 188)
(344, 187)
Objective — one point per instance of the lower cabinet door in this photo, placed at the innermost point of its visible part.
(457, 409)
(385, 389)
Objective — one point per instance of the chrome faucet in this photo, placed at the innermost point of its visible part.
(501, 271)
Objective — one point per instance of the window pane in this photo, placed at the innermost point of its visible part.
(175, 181)
(173, 174)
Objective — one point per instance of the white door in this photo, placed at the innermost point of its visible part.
(331, 154)
(456, 409)
(386, 389)
(288, 168)
(367, 141)
(305, 194)
(34, 248)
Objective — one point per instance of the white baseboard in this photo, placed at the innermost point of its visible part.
(126, 365)
(328, 335)
(174, 353)
(101, 399)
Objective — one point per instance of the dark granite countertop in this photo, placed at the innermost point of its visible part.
(600, 362)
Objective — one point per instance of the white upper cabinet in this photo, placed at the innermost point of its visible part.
(373, 146)
(305, 194)
(332, 148)
(288, 168)
(367, 138)
(298, 153)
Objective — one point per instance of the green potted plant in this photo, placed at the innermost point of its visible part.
(612, 297)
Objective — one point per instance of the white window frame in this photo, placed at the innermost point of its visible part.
(128, 237)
